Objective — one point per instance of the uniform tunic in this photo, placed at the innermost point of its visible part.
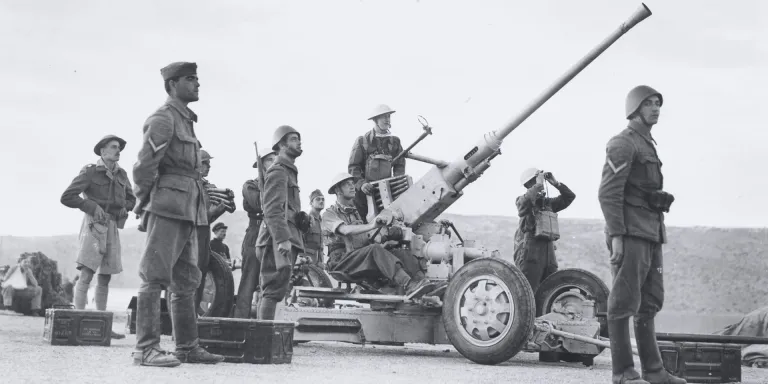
(99, 242)
(371, 160)
(169, 188)
(353, 255)
(536, 257)
(281, 203)
(167, 177)
(313, 239)
(632, 165)
(219, 247)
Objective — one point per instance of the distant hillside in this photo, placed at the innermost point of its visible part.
(707, 270)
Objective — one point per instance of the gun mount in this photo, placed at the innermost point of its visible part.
(488, 310)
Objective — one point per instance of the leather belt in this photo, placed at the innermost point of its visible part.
(191, 173)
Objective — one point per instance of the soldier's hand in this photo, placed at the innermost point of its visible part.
(122, 213)
(284, 248)
(99, 214)
(551, 178)
(367, 188)
(617, 249)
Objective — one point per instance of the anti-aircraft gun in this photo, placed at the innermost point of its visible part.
(487, 311)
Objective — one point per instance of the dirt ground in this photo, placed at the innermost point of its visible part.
(26, 358)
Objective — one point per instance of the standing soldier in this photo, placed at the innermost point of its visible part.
(169, 187)
(633, 204)
(108, 197)
(280, 239)
(313, 238)
(214, 210)
(535, 255)
(372, 154)
(249, 279)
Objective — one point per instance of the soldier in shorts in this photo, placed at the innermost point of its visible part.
(107, 199)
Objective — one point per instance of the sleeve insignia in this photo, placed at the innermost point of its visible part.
(614, 168)
(156, 147)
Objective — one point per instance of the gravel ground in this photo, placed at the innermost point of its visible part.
(25, 358)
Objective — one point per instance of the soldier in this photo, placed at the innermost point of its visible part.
(214, 210)
(372, 154)
(280, 239)
(217, 243)
(108, 197)
(349, 250)
(169, 187)
(313, 238)
(535, 256)
(633, 204)
(249, 279)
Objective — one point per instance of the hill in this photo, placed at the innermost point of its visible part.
(707, 270)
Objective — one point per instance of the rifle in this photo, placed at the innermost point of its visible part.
(260, 166)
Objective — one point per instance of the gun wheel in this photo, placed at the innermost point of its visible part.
(568, 285)
(219, 291)
(489, 310)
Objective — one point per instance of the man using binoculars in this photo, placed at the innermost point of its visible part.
(538, 229)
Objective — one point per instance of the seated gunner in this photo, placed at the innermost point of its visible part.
(349, 250)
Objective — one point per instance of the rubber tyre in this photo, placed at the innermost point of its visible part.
(591, 286)
(219, 277)
(563, 280)
(314, 276)
(520, 295)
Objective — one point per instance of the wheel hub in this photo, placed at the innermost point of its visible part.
(485, 310)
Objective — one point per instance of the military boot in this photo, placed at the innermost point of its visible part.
(148, 331)
(650, 356)
(621, 353)
(184, 318)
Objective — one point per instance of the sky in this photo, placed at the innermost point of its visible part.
(78, 70)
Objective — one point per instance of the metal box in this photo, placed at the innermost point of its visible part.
(702, 362)
(247, 340)
(69, 326)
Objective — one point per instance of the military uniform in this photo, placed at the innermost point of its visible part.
(371, 160)
(631, 181)
(112, 191)
(536, 257)
(281, 204)
(172, 198)
(353, 254)
(632, 166)
(249, 280)
(313, 239)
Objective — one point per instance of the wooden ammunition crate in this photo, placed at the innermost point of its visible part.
(702, 362)
(165, 317)
(69, 326)
(247, 340)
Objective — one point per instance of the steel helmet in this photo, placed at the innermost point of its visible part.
(204, 155)
(527, 175)
(637, 95)
(280, 132)
(338, 179)
(264, 152)
(379, 110)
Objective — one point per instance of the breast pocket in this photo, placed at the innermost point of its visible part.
(120, 186)
(651, 169)
(186, 149)
(294, 201)
(99, 188)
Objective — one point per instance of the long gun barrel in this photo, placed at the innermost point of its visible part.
(441, 186)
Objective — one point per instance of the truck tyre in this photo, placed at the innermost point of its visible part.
(219, 292)
(488, 310)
